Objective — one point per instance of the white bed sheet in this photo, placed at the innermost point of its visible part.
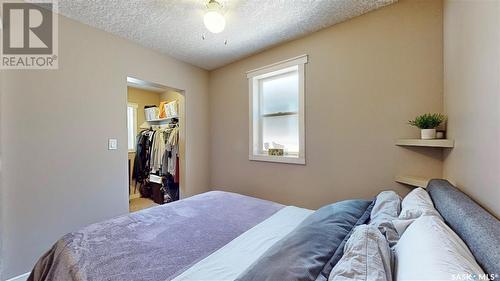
(234, 258)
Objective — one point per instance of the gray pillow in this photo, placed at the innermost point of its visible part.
(386, 209)
(367, 257)
(309, 250)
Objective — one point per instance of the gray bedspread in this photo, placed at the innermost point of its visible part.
(154, 244)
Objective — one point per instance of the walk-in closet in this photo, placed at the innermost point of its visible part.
(155, 145)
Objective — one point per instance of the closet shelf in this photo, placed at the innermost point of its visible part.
(412, 180)
(162, 119)
(443, 143)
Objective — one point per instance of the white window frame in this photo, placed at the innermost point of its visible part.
(255, 134)
(135, 106)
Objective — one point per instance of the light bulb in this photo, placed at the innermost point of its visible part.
(214, 21)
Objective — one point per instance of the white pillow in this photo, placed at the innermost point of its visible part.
(430, 250)
(416, 204)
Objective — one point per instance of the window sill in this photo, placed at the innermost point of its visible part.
(278, 159)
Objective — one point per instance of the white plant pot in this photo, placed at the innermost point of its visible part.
(428, 134)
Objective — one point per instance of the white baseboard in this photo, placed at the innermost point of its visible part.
(22, 277)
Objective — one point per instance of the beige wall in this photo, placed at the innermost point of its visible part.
(365, 78)
(57, 173)
(472, 98)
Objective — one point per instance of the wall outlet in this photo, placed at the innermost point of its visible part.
(112, 144)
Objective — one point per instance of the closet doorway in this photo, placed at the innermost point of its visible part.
(156, 143)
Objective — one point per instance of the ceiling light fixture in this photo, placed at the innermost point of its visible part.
(214, 19)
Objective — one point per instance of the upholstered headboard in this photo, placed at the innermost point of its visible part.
(478, 229)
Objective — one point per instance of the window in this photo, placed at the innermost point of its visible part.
(131, 125)
(277, 112)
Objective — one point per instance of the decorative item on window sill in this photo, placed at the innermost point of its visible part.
(276, 152)
(427, 123)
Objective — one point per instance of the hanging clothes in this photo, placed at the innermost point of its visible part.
(157, 153)
(171, 164)
(142, 156)
(174, 136)
(157, 150)
(172, 153)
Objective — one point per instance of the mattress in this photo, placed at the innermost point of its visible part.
(154, 244)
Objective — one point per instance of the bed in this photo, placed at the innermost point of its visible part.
(226, 236)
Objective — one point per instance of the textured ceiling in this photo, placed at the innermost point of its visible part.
(175, 27)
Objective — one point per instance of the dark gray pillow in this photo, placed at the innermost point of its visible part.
(303, 254)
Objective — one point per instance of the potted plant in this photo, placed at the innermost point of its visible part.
(427, 124)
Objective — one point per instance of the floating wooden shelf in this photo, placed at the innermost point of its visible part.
(414, 181)
(445, 143)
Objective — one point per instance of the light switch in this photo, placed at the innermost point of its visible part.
(112, 144)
